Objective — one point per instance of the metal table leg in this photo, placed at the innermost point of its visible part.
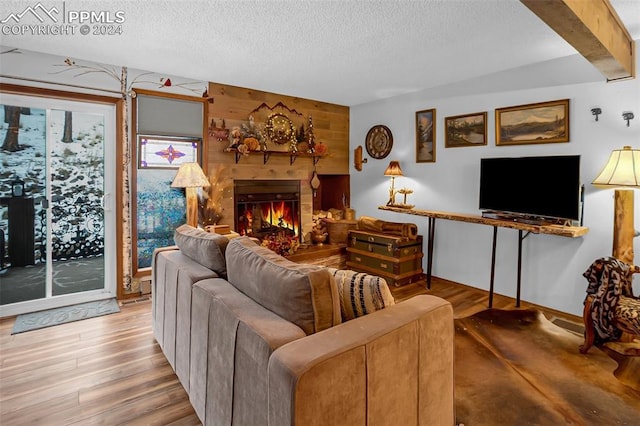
(430, 238)
(520, 238)
(493, 265)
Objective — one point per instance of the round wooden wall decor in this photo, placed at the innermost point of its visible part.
(379, 141)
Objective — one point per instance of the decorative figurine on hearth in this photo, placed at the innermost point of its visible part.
(319, 232)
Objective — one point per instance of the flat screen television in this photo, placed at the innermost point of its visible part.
(543, 187)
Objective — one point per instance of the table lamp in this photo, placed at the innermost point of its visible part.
(622, 170)
(393, 170)
(190, 176)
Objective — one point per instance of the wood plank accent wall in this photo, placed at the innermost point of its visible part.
(234, 105)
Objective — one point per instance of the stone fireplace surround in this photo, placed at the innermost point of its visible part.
(329, 195)
(252, 168)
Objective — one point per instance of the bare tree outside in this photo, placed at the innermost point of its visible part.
(12, 117)
(67, 137)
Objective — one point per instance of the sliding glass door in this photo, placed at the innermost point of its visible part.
(57, 226)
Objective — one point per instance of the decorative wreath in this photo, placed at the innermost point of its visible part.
(280, 130)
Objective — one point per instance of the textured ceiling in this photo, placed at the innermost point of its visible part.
(345, 52)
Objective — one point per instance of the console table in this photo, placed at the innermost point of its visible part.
(559, 230)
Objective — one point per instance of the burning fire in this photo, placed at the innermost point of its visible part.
(281, 215)
(276, 215)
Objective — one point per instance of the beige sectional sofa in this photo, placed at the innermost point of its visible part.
(258, 340)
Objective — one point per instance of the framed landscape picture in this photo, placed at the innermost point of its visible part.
(426, 136)
(544, 122)
(465, 130)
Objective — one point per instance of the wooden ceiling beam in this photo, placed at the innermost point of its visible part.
(594, 29)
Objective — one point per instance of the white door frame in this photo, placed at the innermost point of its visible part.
(109, 290)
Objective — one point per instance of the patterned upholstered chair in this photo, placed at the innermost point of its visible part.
(610, 307)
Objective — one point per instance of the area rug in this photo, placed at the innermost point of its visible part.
(517, 368)
(57, 316)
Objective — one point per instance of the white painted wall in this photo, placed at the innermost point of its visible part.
(552, 266)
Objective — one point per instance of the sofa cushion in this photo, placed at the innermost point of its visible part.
(205, 248)
(306, 295)
(360, 293)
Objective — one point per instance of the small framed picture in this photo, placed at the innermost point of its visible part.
(465, 130)
(544, 122)
(426, 136)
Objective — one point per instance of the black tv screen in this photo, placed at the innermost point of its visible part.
(546, 186)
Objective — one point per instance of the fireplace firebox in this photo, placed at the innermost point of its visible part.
(266, 208)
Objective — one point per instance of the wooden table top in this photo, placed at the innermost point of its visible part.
(559, 230)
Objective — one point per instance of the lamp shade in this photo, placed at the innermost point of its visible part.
(622, 169)
(393, 169)
(190, 175)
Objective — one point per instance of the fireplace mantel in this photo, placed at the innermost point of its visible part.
(266, 155)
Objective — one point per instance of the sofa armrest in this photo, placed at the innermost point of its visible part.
(394, 366)
(230, 350)
(173, 275)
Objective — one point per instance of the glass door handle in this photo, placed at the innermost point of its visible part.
(103, 202)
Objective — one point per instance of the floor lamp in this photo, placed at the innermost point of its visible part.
(191, 177)
(622, 171)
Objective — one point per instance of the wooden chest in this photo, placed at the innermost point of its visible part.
(397, 260)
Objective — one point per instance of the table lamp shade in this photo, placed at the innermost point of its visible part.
(622, 169)
(190, 175)
(393, 169)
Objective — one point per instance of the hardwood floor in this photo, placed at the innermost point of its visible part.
(467, 300)
(110, 370)
(106, 370)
